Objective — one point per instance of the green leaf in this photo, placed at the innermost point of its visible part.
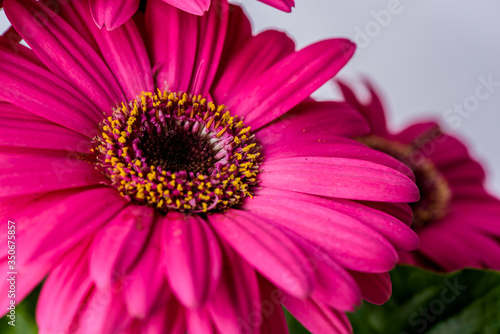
(463, 302)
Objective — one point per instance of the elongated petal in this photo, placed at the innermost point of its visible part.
(62, 220)
(284, 5)
(192, 258)
(273, 318)
(145, 289)
(124, 51)
(65, 52)
(172, 52)
(339, 177)
(39, 172)
(290, 81)
(110, 14)
(301, 123)
(64, 291)
(237, 296)
(197, 7)
(317, 317)
(347, 240)
(32, 88)
(267, 249)
(375, 288)
(119, 244)
(19, 128)
(248, 64)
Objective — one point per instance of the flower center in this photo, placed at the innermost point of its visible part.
(435, 193)
(178, 152)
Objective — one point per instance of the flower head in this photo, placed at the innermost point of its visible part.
(174, 174)
(457, 221)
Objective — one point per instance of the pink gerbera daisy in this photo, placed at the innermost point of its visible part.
(457, 221)
(112, 13)
(173, 175)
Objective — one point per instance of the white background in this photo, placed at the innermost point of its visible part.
(425, 59)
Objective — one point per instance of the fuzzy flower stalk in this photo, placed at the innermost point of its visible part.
(173, 175)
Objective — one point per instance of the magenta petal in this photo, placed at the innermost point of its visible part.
(339, 177)
(65, 52)
(373, 112)
(395, 231)
(111, 14)
(249, 62)
(334, 286)
(19, 128)
(31, 87)
(301, 123)
(118, 245)
(273, 318)
(290, 81)
(211, 31)
(63, 220)
(317, 317)
(192, 258)
(124, 51)
(271, 252)
(333, 147)
(145, 289)
(284, 5)
(237, 296)
(200, 322)
(197, 7)
(375, 288)
(347, 240)
(63, 292)
(172, 51)
(37, 171)
(171, 320)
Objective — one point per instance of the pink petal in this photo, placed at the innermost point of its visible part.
(317, 317)
(373, 112)
(237, 296)
(103, 312)
(200, 322)
(212, 29)
(375, 288)
(145, 289)
(65, 52)
(334, 286)
(192, 258)
(284, 5)
(339, 177)
(31, 87)
(30, 171)
(301, 123)
(111, 14)
(119, 244)
(348, 241)
(169, 320)
(197, 7)
(64, 291)
(19, 128)
(172, 51)
(248, 64)
(124, 51)
(63, 219)
(266, 248)
(333, 147)
(290, 81)
(398, 233)
(273, 318)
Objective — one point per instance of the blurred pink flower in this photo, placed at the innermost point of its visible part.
(111, 13)
(152, 210)
(457, 221)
